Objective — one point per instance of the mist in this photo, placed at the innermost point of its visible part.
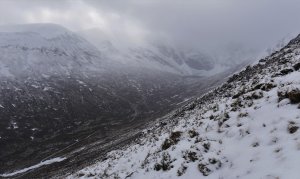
(194, 23)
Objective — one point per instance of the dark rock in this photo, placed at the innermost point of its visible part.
(267, 86)
(190, 156)
(264, 86)
(167, 144)
(297, 66)
(165, 163)
(157, 167)
(193, 133)
(226, 115)
(175, 136)
(236, 95)
(181, 170)
(80, 174)
(257, 95)
(191, 107)
(255, 144)
(90, 175)
(294, 96)
(262, 60)
(283, 61)
(243, 114)
(179, 113)
(292, 128)
(206, 146)
(212, 161)
(203, 169)
(162, 123)
(282, 95)
(286, 71)
(233, 78)
(258, 86)
(248, 68)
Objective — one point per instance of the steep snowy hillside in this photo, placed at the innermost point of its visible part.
(246, 128)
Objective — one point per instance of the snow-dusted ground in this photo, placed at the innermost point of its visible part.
(46, 162)
(247, 128)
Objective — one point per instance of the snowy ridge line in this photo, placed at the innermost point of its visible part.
(246, 128)
(46, 162)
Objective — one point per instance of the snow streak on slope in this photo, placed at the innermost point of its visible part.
(246, 128)
(46, 162)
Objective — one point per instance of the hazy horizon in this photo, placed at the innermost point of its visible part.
(255, 24)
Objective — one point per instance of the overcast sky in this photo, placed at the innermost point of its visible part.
(190, 22)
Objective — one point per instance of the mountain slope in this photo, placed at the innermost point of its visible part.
(246, 128)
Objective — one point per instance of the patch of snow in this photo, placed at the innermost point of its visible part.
(46, 162)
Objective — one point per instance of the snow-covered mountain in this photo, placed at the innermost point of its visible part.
(246, 128)
(57, 89)
(46, 49)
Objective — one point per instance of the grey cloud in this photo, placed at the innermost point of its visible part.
(193, 22)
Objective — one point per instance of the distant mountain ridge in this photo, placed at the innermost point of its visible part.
(163, 56)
